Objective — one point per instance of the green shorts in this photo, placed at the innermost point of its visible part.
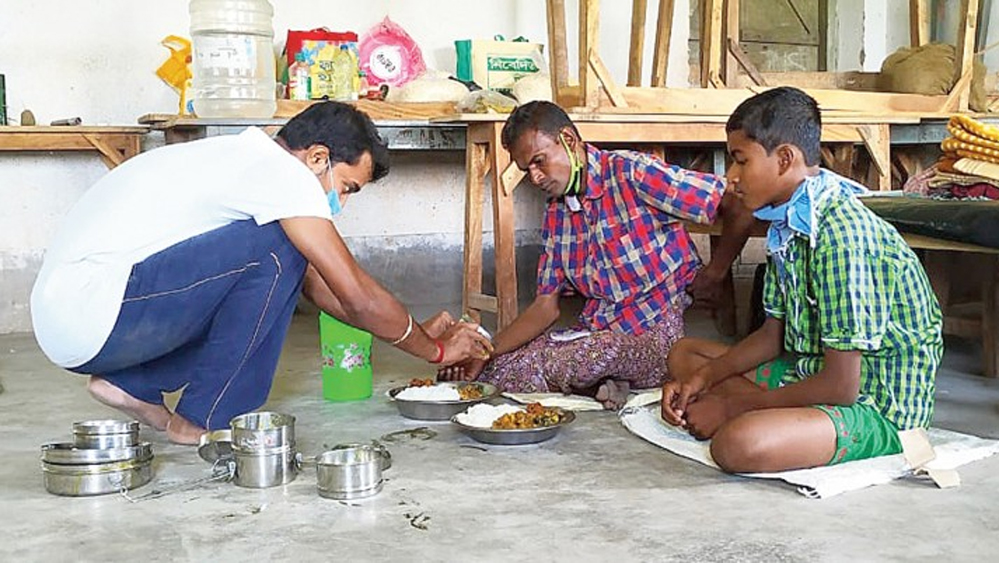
(861, 430)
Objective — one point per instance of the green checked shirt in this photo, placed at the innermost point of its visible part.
(858, 286)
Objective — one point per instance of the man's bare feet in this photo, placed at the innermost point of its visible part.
(180, 431)
(156, 416)
(613, 394)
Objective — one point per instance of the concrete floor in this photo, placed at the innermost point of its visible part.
(594, 493)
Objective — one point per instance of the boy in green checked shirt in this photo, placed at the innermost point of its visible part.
(849, 351)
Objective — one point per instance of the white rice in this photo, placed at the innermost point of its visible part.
(434, 393)
(483, 415)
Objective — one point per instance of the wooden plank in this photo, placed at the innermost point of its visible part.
(688, 132)
(504, 223)
(919, 23)
(581, 115)
(849, 80)
(732, 36)
(475, 171)
(966, 46)
(110, 153)
(957, 99)
(930, 243)
(740, 57)
(482, 302)
(558, 58)
(376, 109)
(589, 41)
(606, 81)
(823, 48)
(877, 139)
(664, 32)
(72, 130)
(712, 52)
(511, 178)
(694, 101)
(637, 46)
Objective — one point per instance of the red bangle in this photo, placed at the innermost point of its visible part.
(440, 353)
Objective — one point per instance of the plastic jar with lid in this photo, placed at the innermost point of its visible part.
(233, 62)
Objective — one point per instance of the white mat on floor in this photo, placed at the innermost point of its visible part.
(953, 450)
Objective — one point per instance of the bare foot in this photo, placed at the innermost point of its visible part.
(149, 414)
(613, 394)
(181, 431)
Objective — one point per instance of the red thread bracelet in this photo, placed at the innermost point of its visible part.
(440, 353)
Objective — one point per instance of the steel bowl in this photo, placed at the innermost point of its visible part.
(96, 479)
(63, 453)
(261, 469)
(440, 410)
(258, 431)
(106, 433)
(515, 437)
(351, 472)
(215, 445)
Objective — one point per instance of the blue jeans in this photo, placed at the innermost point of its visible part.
(209, 313)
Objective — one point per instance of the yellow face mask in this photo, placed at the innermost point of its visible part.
(575, 171)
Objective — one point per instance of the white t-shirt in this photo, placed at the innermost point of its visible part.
(150, 203)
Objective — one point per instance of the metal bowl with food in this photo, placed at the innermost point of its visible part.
(517, 436)
(443, 410)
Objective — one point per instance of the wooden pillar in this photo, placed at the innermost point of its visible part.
(637, 48)
(731, 67)
(664, 31)
(919, 23)
(966, 48)
(558, 59)
(712, 54)
(589, 40)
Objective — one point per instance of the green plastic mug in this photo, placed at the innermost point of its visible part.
(346, 353)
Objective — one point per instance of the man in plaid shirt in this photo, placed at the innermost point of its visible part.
(845, 297)
(613, 234)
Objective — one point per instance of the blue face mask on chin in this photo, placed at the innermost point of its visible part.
(333, 197)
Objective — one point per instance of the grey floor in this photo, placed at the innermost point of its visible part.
(594, 493)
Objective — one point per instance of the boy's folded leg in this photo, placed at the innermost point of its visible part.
(773, 440)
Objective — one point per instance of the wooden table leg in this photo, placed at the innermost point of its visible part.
(475, 172)
(503, 232)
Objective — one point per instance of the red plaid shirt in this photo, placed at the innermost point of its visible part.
(626, 250)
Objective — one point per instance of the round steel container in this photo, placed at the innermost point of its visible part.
(96, 479)
(350, 473)
(62, 453)
(263, 444)
(257, 431)
(100, 434)
(265, 468)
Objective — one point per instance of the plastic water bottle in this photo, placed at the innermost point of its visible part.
(299, 79)
(344, 72)
(233, 63)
